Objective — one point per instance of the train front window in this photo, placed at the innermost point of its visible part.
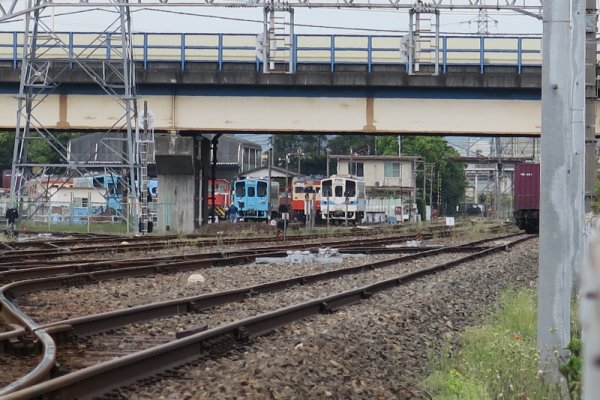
(350, 189)
(298, 189)
(339, 191)
(240, 189)
(261, 188)
(326, 187)
(251, 191)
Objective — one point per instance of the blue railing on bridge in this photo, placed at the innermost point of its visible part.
(331, 50)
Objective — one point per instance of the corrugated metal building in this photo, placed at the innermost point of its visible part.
(234, 155)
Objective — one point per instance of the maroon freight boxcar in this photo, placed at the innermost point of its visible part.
(527, 197)
(6, 178)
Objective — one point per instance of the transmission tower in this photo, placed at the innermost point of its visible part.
(48, 57)
(482, 22)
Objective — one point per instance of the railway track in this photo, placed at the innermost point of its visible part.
(35, 251)
(12, 257)
(238, 331)
(76, 269)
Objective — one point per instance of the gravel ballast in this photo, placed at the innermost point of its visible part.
(376, 349)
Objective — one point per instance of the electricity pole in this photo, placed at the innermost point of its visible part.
(561, 207)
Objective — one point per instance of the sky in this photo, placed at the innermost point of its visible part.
(249, 20)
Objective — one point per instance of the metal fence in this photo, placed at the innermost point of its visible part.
(332, 50)
(87, 217)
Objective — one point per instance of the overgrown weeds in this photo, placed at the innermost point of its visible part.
(497, 360)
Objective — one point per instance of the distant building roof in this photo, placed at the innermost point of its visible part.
(374, 158)
(263, 172)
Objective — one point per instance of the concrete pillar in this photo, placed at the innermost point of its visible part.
(175, 166)
(562, 178)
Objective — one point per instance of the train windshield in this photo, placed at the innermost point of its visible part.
(350, 189)
(240, 189)
(251, 191)
(339, 191)
(261, 188)
(326, 187)
(298, 189)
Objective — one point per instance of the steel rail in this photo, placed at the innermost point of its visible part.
(12, 274)
(16, 254)
(102, 322)
(10, 256)
(61, 280)
(42, 371)
(92, 324)
(17, 288)
(30, 270)
(107, 238)
(101, 378)
(89, 325)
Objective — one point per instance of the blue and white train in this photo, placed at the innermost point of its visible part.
(251, 196)
(343, 197)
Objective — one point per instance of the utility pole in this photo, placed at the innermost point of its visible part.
(561, 206)
(498, 173)
(270, 166)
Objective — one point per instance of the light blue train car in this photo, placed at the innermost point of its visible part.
(251, 196)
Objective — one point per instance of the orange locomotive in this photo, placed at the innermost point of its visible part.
(302, 193)
(222, 198)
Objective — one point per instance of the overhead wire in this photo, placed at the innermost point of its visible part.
(260, 21)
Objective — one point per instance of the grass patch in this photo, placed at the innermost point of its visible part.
(120, 228)
(497, 360)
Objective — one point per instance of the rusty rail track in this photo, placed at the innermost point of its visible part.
(9, 257)
(101, 378)
(55, 249)
(92, 324)
(11, 266)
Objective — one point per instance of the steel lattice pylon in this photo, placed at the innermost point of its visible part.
(46, 58)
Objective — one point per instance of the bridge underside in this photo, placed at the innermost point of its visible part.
(328, 112)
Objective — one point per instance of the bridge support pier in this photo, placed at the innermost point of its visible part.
(183, 164)
(176, 166)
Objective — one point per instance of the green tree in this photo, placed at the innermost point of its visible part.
(312, 146)
(40, 151)
(7, 140)
(451, 177)
(344, 144)
(387, 145)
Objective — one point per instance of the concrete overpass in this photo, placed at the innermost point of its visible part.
(340, 84)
